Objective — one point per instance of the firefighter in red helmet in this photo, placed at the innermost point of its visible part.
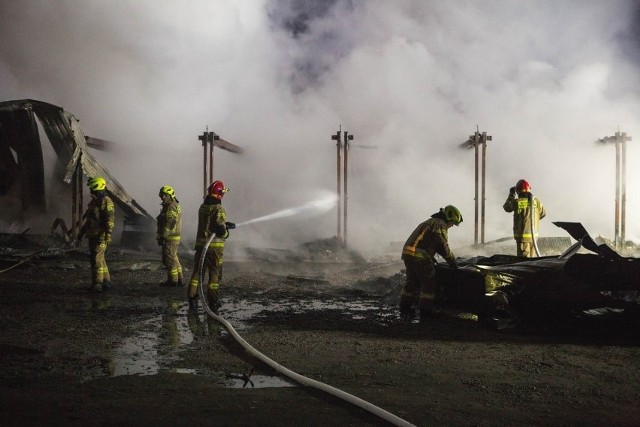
(212, 219)
(527, 213)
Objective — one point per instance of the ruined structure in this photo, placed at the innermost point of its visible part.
(22, 164)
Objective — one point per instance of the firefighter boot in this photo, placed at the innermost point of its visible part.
(193, 304)
(213, 300)
(106, 285)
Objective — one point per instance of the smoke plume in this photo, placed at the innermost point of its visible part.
(411, 78)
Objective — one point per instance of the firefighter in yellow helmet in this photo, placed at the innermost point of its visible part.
(212, 219)
(99, 221)
(169, 224)
(527, 212)
(419, 251)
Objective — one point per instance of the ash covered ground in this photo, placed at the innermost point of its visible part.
(135, 356)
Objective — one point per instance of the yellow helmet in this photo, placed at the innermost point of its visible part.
(97, 184)
(168, 190)
(452, 214)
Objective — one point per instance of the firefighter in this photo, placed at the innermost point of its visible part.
(99, 221)
(527, 211)
(212, 219)
(169, 226)
(428, 239)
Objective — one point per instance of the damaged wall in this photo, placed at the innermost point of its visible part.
(22, 164)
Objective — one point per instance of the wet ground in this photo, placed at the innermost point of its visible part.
(135, 355)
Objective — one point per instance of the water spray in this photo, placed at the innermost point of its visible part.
(318, 206)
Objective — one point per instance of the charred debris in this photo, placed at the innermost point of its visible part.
(503, 288)
(588, 278)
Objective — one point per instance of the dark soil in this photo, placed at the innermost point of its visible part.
(135, 356)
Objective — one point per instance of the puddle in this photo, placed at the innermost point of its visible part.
(159, 339)
(256, 381)
(240, 380)
(138, 355)
(242, 310)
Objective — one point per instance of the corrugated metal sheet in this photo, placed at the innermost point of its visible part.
(66, 136)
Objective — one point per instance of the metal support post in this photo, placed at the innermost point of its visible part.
(476, 140)
(620, 140)
(207, 139)
(347, 138)
(338, 138)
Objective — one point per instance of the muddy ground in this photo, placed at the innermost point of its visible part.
(135, 356)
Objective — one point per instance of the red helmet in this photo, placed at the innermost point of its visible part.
(523, 186)
(217, 189)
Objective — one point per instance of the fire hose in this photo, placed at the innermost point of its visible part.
(300, 379)
(532, 217)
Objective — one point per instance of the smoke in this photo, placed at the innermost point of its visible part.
(545, 79)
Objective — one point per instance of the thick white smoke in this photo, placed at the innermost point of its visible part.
(545, 79)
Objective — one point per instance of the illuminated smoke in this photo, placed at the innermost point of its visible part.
(545, 78)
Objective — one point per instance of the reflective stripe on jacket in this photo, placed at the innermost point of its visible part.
(170, 221)
(212, 218)
(520, 206)
(428, 239)
(100, 216)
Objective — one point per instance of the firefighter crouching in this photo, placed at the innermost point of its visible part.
(168, 236)
(99, 221)
(212, 219)
(428, 239)
(520, 201)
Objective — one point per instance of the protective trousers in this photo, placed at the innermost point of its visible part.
(525, 249)
(213, 264)
(419, 286)
(171, 261)
(99, 269)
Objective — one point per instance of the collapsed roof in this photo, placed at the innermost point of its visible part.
(19, 134)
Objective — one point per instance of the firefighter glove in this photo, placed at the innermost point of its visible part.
(160, 242)
(230, 225)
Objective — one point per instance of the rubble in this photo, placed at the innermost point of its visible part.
(552, 287)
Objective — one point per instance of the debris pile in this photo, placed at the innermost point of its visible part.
(321, 250)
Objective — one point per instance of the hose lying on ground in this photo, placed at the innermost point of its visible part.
(385, 415)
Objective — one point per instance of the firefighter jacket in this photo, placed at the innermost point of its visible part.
(169, 221)
(100, 217)
(428, 239)
(521, 206)
(211, 220)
